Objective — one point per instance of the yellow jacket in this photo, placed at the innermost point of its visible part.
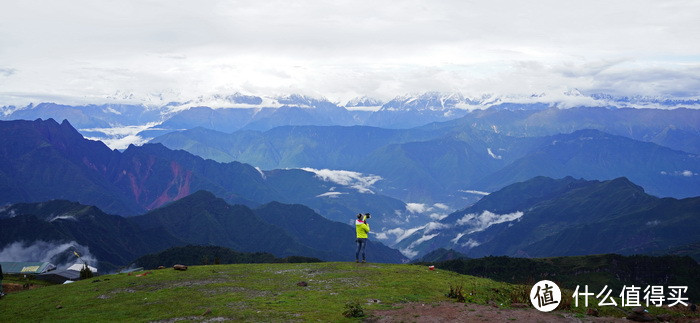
(361, 228)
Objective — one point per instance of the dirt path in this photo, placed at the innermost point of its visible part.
(13, 288)
(461, 312)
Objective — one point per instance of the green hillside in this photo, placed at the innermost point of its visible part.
(595, 271)
(205, 255)
(263, 292)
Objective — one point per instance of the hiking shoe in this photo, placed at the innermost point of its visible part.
(363, 261)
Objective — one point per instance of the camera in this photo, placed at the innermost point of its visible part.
(366, 216)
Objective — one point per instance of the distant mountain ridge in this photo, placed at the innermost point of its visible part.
(544, 217)
(677, 129)
(119, 122)
(42, 160)
(200, 218)
(440, 161)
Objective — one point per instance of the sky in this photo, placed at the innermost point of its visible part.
(160, 51)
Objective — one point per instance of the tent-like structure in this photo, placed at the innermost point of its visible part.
(79, 267)
(27, 268)
(60, 276)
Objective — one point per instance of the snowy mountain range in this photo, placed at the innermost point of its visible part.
(121, 124)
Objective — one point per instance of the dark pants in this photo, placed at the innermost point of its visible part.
(361, 246)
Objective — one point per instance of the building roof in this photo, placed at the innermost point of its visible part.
(26, 267)
(79, 267)
(59, 276)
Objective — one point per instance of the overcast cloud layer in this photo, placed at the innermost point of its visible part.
(88, 51)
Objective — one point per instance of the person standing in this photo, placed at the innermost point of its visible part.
(361, 229)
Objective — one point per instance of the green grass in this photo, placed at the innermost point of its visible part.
(20, 279)
(250, 292)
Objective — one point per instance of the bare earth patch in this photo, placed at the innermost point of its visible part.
(461, 312)
(14, 288)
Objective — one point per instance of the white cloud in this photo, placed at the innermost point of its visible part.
(331, 194)
(400, 233)
(122, 142)
(431, 226)
(121, 137)
(342, 49)
(437, 216)
(64, 217)
(479, 222)
(408, 252)
(424, 208)
(684, 173)
(475, 192)
(416, 207)
(381, 236)
(57, 253)
(262, 174)
(457, 237)
(653, 223)
(361, 182)
(424, 238)
(471, 243)
(420, 240)
(494, 156)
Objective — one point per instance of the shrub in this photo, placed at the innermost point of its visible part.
(85, 272)
(353, 309)
(520, 294)
(456, 292)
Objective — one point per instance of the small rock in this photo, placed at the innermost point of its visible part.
(180, 267)
(58, 307)
(207, 312)
(639, 314)
(638, 310)
(302, 284)
(161, 267)
(664, 317)
(519, 305)
(592, 312)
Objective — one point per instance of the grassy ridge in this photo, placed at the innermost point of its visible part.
(205, 255)
(595, 271)
(252, 292)
(256, 292)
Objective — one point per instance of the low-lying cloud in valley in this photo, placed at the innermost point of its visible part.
(121, 137)
(361, 182)
(57, 253)
(479, 222)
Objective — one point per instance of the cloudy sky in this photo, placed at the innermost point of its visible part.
(76, 51)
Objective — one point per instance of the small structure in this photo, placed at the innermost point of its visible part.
(27, 268)
(79, 267)
(60, 276)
